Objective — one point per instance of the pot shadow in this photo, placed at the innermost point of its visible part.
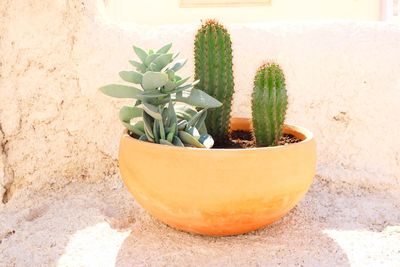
(307, 236)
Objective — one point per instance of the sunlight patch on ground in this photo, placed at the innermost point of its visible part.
(96, 245)
(369, 248)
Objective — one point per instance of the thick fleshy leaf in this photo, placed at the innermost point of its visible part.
(165, 48)
(171, 75)
(185, 112)
(177, 142)
(181, 81)
(139, 125)
(193, 121)
(148, 126)
(152, 110)
(169, 86)
(202, 128)
(143, 137)
(171, 132)
(131, 76)
(182, 125)
(152, 67)
(162, 60)
(140, 53)
(162, 130)
(133, 129)
(182, 88)
(139, 66)
(199, 99)
(120, 91)
(189, 139)
(156, 131)
(165, 142)
(206, 140)
(193, 132)
(151, 94)
(170, 115)
(152, 80)
(150, 59)
(201, 120)
(178, 64)
(128, 113)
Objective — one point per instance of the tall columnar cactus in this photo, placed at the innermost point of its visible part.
(213, 67)
(269, 104)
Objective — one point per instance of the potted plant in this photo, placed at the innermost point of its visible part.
(258, 169)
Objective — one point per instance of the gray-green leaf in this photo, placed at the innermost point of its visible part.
(151, 110)
(199, 99)
(206, 140)
(131, 76)
(120, 91)
(152, 80)
(189, 139)
(177, 65)
(177, 142)
(165, 48)
(162, 61)
(140, 53)
(128, 113)
(165, 142)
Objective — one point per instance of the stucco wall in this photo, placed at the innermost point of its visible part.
(169, 11)
(343, 82)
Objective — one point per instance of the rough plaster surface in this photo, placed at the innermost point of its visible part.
(59, 139)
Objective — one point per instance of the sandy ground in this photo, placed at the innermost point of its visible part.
(99, 224)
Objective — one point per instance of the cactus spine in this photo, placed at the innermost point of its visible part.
(213, 67)
(269, 104)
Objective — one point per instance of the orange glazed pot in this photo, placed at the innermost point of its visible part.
(219, 192)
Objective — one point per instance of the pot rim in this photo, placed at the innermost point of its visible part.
(308, 137)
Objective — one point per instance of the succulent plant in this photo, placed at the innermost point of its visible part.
(157, 90)
(269, 104)
(213, 67)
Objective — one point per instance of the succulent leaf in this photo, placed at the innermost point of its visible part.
(189, 139)
(165, 142)
(150, 59)
(193, 131)
(152, 80)
(143, 137)
(139, 66)
(177, 141)
(178, 64)
(199, 99)
(131, 76)
(162, 61)
(163, 121)
(140, 53)
(120, 91)
(151, 110)
(165, 48)
(206, 140)
(148, 125)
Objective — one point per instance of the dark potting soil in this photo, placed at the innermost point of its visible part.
(243, 139)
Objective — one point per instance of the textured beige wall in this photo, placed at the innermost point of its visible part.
(343, 83)
(156, 12)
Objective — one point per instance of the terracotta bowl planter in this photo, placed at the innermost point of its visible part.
(219, 191)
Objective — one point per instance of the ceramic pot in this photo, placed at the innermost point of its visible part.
(219, 192)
